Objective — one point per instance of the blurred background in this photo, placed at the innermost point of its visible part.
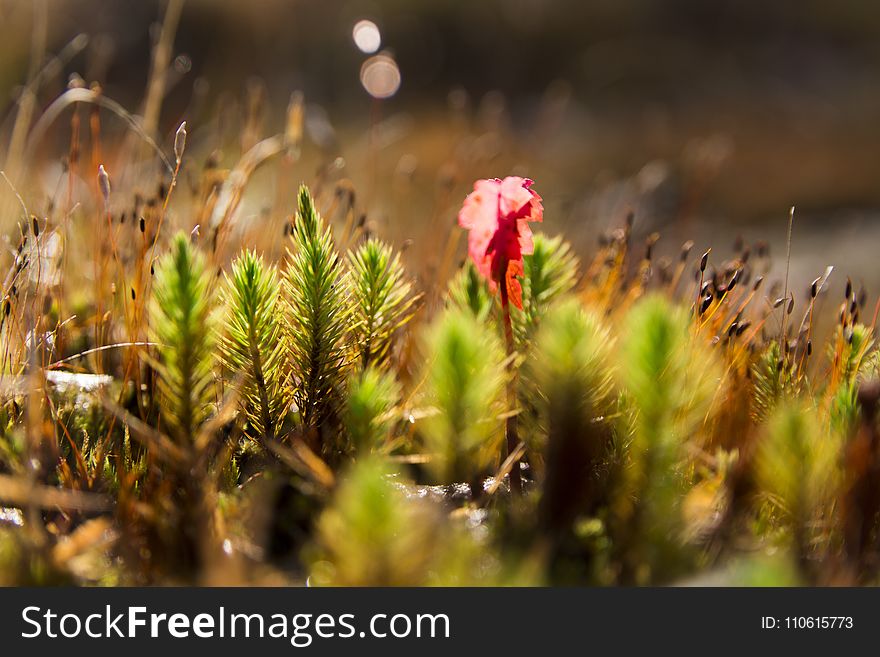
(707, 120)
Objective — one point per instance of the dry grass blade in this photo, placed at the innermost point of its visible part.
(18, 492)
(160, 445)
(512, 459)
(302, 460)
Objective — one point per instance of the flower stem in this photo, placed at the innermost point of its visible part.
(510, 427)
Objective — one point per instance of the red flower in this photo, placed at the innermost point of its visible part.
(497, 214)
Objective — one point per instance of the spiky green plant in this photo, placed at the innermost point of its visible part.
(571, 365)
(382, 299)
(369, 417)
(773, 380)
(668, 398)
(182, 324)
(550, 273)
(463, 388)
(375, 534)
(797, 468)
(318, 317)
(468, 291)
(857, 341)
(253, 343)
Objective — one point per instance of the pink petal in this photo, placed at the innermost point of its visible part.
(515, 195)
(526, 243)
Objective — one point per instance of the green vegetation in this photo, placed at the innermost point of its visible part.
(197, 392)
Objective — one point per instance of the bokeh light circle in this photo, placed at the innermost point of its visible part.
(380, 76)
(366, 36)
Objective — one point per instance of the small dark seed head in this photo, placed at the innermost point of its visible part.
(757, 284)
(814, 287)
(809, 347)
(790, 305)
(133, 296)
(686, 249)
(35, 225)
(734, 280)
(849, 288)
(704, 260)
(143, 225)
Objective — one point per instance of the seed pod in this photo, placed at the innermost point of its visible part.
(740, 329)
(848, 293)
(180, 142)
(734, 280)
(790, 305)
(778, 302)
(133, 297)
(809, 347)
(757, 284)
(649, 245)
(104, 183)
(814, 287)
(35, 225)
(706, 303)
(704, 260)
(293, 129)
(143, 225)
(686, 249)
